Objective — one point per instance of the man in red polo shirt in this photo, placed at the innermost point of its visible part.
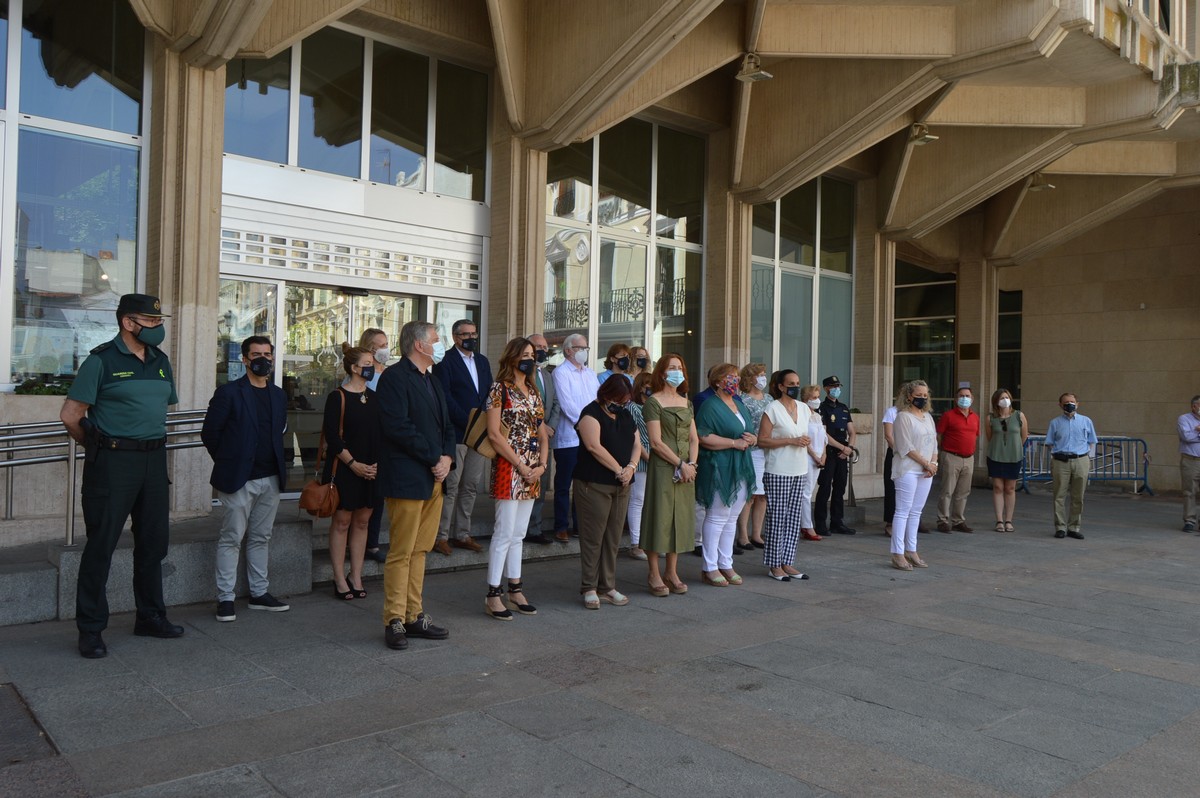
(958, 430)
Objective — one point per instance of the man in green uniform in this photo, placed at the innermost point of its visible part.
(117, 408)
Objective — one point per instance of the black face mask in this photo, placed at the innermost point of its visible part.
(469, 344)
(1069, 407)
(643, 362)
(792, 391)
(540, 355)
(525, 367)
(613, 407)
(261, 366)
(368, 373)
(623, 363)
(919, 402)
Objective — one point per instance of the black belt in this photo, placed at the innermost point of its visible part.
(129, 445)
(956, 454)
(1063, 456)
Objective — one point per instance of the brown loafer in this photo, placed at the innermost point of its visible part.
(562, 536)
(942, 526)
(467, 543)
(442, 547)
(963, 527)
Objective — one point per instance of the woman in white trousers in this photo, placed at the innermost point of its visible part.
(913, 469)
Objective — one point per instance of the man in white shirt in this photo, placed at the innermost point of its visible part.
(575, 386)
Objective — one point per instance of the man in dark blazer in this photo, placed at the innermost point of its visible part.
(466, 378)
(418, 455)
(243, 431)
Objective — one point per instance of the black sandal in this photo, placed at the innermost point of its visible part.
(358, 591)
(347, 596)
(524, 609)
(499, 615)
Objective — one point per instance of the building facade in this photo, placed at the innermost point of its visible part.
(991, 191)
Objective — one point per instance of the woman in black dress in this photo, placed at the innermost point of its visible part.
(354, 451)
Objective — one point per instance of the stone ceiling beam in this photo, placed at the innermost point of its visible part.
(430, 25)
(508, 34)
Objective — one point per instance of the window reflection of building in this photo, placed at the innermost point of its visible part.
(925, 303)
(635, 300)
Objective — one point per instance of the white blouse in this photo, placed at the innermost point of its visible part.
(912, 434)
(787, 461)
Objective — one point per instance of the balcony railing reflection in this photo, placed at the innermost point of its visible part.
(566, 314)
(622, 305)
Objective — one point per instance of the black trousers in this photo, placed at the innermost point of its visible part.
(889, 488)
(831, 492)
(119, 485)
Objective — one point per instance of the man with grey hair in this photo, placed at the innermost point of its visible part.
(1189, 462)
(545, 386)
(575, 386)
(418, 454)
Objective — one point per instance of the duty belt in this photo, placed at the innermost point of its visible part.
(129, 445)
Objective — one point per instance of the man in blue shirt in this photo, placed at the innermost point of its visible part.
(1072, 439)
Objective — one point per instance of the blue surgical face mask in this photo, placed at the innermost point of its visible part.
(439, 351)
(964, 402)
(674, 377)
(835, 393)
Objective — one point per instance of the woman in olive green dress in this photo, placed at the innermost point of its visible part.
(669, 511)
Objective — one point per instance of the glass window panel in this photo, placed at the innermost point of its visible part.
(927, 335)
(331, 102)
(1009, 336)
(924, 301)
(1010, 302)
(1008, 374)
(385, 312)
(76, 248)
(762, 234)
(762, 314)
(798, 225)
(837, 225)
(445, 313)
(461, 138)
(316, 321)
(399, 117)
(795, 324)
(3, 53)
(257, 93)
(568, 261)
(569, 182)
(624, 197)
(82, 62)
(911, 274)
(677, 311)
(622, 297)
(680, 186)
(835, 333)
(244, 308)
(937, 370)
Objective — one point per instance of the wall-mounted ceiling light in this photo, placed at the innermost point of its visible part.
(752, 70)
(919, 135)
(1039, 183)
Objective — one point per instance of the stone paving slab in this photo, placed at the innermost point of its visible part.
(1017, 665)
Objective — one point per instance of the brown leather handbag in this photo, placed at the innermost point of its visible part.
(318, 499)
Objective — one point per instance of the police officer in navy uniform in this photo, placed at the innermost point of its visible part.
(831, 484)
(117, 408)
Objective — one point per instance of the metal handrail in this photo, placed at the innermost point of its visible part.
(55, 438)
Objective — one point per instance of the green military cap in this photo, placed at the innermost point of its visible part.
(142, 305)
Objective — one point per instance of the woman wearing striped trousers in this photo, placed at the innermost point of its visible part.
(783, 434)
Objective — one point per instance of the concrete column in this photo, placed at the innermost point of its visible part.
(726, 322)
(976, 299)
(515, 284)
(183, 239)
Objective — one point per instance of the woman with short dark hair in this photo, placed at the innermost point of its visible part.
(609, 452)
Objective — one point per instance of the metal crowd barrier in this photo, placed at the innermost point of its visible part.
(48, 442)
(1117, 459)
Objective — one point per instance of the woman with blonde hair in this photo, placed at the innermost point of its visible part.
(1006, 432)
(641, 363)
(753, 390)
(375, 341)
(515, 429)
(913, 470)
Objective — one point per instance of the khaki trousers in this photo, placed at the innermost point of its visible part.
(956, 473)
(1072, 476)
(1189, 478)
(412, 527)
(601, 511)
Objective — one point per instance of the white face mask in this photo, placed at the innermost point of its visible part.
(760, 381)
(1004, 402)
(815, 404)
(581, 356)
(383, 355)
(439, 352)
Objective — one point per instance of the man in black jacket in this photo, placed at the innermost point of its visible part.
(243, 432)
(418, 454)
